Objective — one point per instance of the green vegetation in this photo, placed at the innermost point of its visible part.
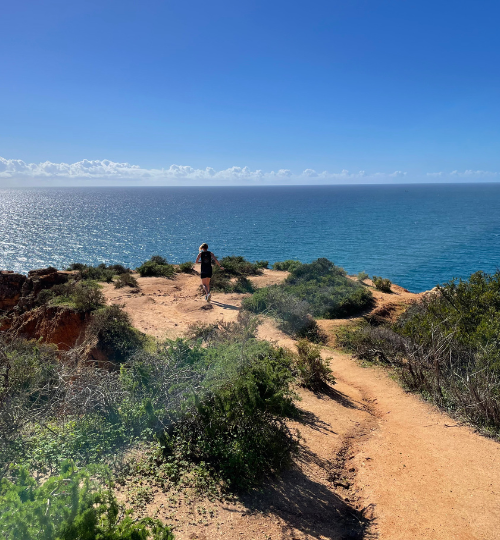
(362, 276)
(101, 272)
(446, 347)
(239, 266)
(83, 296)
(157, 266)
(313, 371)
(382, 284)
(209, 411)
(288, 266)
(111, 330)
(234, 277)
(66, 507)
(186, 267)
(320, 289)
(126, 280)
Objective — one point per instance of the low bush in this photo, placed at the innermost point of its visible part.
(243, 285)
(112, 331)
(126, 280)
(239, 266)
(157, 266)
(293, 314)
(382, 284)
(262, 264)
(320, 289)
(102, 272)
(186, 267)
(362, 276)
(87, 296)
(288, 266)
(313, 370)
(234, 276)
(66, 507)
(239, 429)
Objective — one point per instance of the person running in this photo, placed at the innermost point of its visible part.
(206, 257)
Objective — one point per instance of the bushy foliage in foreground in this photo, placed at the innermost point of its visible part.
(157, 266)
(218, 408)
(68, 506)
(447, 347)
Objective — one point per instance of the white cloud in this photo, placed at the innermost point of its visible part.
(111, 170)
(469, 173)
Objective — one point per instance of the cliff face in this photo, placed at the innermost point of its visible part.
(53, 324)
(10, 289)
(22, 317)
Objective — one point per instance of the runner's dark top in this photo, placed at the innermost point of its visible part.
(206, 263)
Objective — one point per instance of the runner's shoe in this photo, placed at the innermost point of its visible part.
(209, 296)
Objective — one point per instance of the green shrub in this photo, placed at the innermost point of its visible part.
(100, 272)
(288, 266)
(221, 281)
(262, 264)
(158, 259)
(362, 276)
(313, 371)
(67, 507)
(243, 285)
(320, 288)
(293, 314)
(87, 296)
(382, 284)
(239, 266)
(186, 267)
(157, 266)
(126, 280)
(115, 336)
(239, 429)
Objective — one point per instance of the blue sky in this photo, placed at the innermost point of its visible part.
(255, 91)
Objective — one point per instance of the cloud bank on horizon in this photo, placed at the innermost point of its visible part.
(110, 170)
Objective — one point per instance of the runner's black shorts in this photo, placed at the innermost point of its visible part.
(206, 273)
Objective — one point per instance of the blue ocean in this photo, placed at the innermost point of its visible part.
(416, 235)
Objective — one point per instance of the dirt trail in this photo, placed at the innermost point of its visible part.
(376, 462)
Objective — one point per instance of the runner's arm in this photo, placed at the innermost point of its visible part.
(214, 258)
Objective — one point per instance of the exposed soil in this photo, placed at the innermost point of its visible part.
(375, 462)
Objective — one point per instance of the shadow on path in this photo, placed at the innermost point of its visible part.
(225, 306)
(311, 508)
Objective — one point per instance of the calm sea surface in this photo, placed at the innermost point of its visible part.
(416, 235)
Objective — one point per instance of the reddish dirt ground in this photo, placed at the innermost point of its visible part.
(375, 461)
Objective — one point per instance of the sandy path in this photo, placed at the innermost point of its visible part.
(369, 449)
(425, 476)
